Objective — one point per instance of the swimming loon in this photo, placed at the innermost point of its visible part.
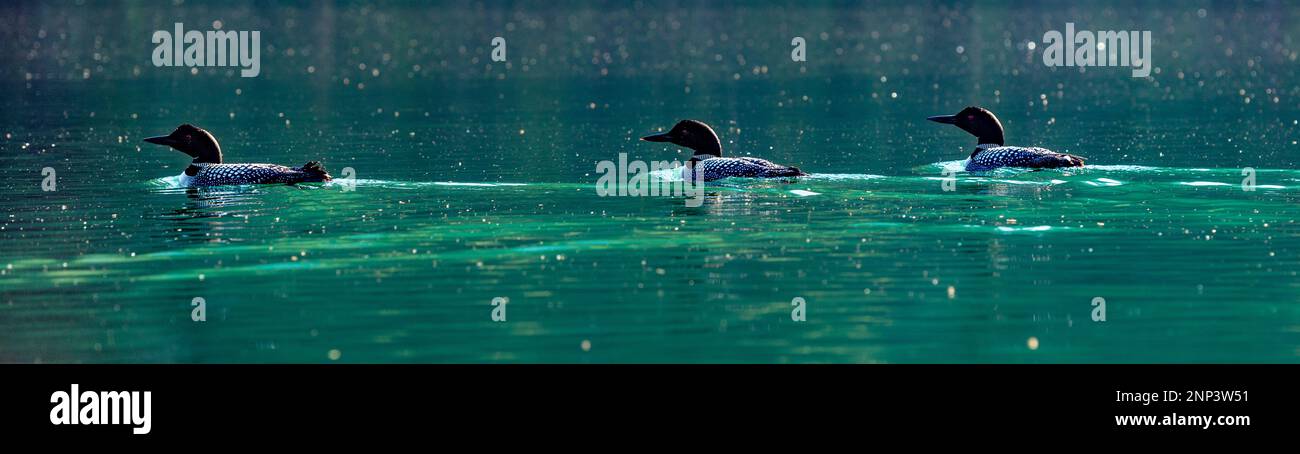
(207, 169)
(708, 160)
(990, 153)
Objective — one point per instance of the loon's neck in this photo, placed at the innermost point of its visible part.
(990, 136)
(706, 149)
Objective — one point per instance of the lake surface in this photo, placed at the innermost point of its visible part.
(476, 180)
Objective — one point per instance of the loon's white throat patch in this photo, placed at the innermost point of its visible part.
(985, 146)
(702, 156)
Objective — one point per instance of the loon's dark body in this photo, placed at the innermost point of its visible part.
(208, 170)
(989, 157)
(990, 153)
(233, 174)
(708, 164)
(718, 168)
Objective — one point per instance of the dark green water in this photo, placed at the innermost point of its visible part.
(477, 181)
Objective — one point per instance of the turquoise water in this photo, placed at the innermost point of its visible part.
(476, 180)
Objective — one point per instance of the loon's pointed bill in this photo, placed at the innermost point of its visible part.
(662, 137)
(990, 149)
(708, 164)
(207, 168)
(160, 140)
(945, 119)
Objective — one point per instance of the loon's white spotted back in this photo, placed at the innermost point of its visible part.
(235, 174)
(989, 157)
(712, 168)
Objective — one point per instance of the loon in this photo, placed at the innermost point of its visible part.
(708, 160)
(207, 169)
(990, 153)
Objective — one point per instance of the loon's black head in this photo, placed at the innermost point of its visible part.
(691, 134)
(978, 121)
(193, 141)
